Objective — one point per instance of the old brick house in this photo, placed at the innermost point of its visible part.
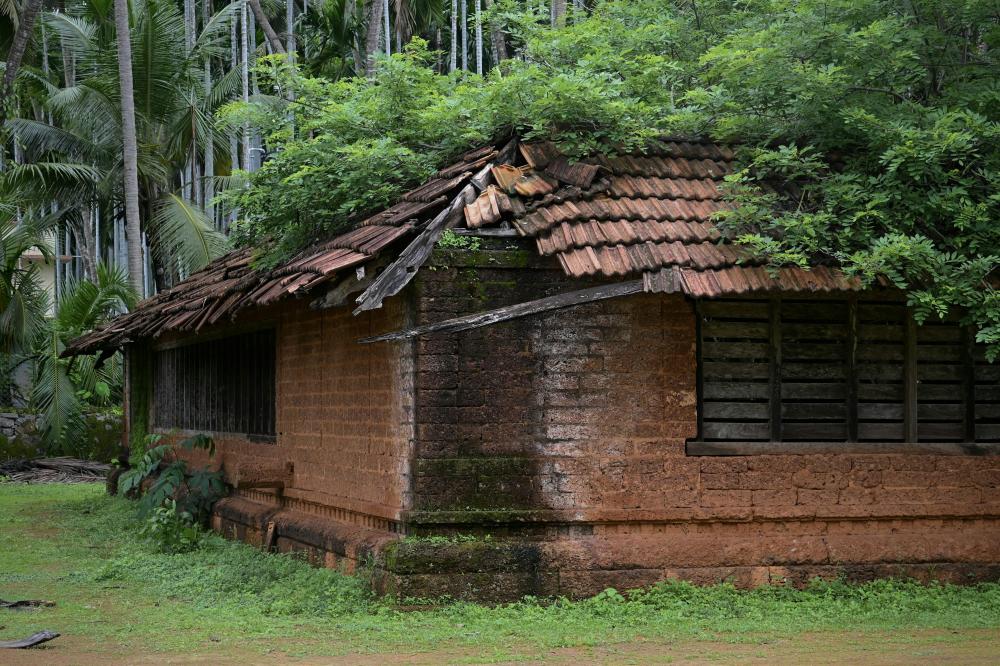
(583, 372)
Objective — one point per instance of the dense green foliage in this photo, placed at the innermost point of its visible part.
(186, 495)
(879, 119)
(65, 390)
(126, 591)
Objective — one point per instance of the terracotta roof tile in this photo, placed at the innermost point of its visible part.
(572, 173)
(650, 214)
(506, 176)
(488, 208)
(539, 155)
(664, 167)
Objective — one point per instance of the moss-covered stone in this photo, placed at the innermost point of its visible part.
(468, 556)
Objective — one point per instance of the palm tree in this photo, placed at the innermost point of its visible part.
(173, 116)
(558, 13)
(373, 32)
(25, 26)
(479, 37)
(265, 25)
(453, 54)
(62, 388)
(130, 151)
(23, 300)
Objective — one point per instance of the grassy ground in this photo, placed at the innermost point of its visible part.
(120, 601)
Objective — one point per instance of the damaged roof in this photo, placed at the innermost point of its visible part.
(645, 215)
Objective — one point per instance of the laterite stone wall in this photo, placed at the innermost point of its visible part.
(343, 413)
(567, 431)
(562, 438)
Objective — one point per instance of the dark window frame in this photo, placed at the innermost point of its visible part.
(887, 376)
(224, 385)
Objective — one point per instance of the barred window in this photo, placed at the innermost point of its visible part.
(225, 385)
(840, 371)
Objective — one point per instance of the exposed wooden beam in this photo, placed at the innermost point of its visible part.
(399, 273)
(359, 280)
(489, 317)
(488, 232)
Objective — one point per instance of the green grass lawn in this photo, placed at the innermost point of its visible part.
(116, 595)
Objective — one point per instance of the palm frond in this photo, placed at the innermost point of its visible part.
(215, 34)
(44, 181)
(23, 303)
(75, 32)
(86, 304)
(41, 137)
(181, 232)
(53, 393)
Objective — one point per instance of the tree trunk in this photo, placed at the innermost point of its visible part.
(386, 32)
(265, 25)
(208, 186)
(189, 25)
(453, 62)
(245, 79)
(86, 239)
(479, 37)
(19, 45)
(372, 34)
(465, 35)
(290, 27)
(130, 163)
(558, 13)
(497, 37)
(350, 12)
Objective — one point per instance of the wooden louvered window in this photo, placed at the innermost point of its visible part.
(794, 374)
(225, 385)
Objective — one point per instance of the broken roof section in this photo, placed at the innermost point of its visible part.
(645, 215)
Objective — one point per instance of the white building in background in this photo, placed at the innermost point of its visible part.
(47, 270)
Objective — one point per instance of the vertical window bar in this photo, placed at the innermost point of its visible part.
(968, 384)
(774, 345)
(852, 369)
(910, 378)
(699, 373)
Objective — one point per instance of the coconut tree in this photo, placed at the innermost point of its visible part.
(173, 116)
(130, 151)
(25, 27)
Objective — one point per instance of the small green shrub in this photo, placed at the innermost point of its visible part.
(196, 492)
(170, 530)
